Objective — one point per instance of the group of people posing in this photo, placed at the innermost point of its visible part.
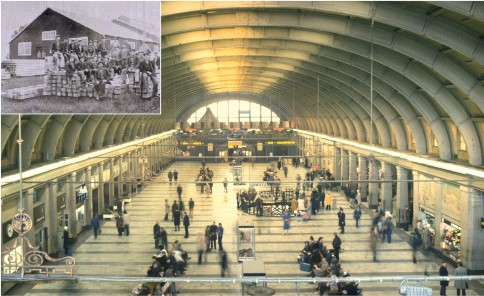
(99, 63)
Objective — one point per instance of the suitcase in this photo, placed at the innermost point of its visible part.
(305, 267)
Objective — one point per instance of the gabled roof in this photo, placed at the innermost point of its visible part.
(103, 27)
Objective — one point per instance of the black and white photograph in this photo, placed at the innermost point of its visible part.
(80, 57)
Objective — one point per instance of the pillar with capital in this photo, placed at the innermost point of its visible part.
(373, 185)
(386, 187)
(362, 178)
(344, 167)
(402, 196)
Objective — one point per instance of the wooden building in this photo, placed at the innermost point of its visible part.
(35, 40)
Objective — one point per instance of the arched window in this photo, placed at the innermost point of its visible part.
(236, 111)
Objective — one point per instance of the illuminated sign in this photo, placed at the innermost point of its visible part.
(232, 144)
(260, 147)
(281, 143)
(195, 143)
(210, 147)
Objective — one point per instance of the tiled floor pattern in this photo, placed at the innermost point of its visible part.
(110, 254)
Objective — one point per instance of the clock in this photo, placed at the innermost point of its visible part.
(9, 230)
(21, 223)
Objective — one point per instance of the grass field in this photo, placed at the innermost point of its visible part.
(52, 104)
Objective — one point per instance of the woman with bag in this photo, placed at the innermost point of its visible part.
(460, 284)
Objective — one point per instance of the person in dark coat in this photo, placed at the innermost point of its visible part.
(164, 238)
(170, 176)
(176, 220)
(186, 223)
(156, 233)
(213, 236)
(443, 284)
(223, 263)
(336, 245)
(95, 224)
(120, 225)
(65, 236)
(341, 220)
(179, 190)
(175, 175)
(314, 202)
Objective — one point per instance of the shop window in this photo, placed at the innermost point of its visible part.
(451, 239)
(462, 144)
(25, 48)
(49, 35)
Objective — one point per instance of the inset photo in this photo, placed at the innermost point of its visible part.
(80, 57)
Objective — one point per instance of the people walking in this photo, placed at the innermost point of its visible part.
(170, 176)
(207, 238)
(186, 223)
(176, 220)
(163, 239)
(191, 205)
(327, 201)
(120, 225)
(213, 236)
(200, 247)
(167, 210)
(342, 220)
(175, 175)
(95, 224)
(287, 222)
(220, 235)
(357, 215)
(460, 284)
(443, 284)
(174, 208)
(223, 263)
(285, 171)
(390, 227)
(126, 222)
(179, 190)
(226, 183)
(156, 233)
(415, 241)
(374, 236)
(336, 245)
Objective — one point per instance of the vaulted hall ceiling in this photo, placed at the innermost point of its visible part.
(315, 63)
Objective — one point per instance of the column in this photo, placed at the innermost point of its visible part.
(472, 233)
(386, 187)
(89, 208)
(352, 171)
(51, 217)
(402, 195)
(71, 204)
(111, 181)
(373, 185)
(120, 175)
(344, 167)
(100, 186)
(129, 175)
(362, 179)
(337, 165)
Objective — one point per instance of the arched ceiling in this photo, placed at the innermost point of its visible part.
(318, 61)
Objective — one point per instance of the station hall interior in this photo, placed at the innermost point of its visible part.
(378, 102)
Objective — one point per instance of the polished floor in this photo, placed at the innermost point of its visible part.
(111, 254)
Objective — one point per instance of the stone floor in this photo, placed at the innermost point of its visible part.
(111, 254)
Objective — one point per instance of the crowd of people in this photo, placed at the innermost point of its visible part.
(99, 62)
(204, 179)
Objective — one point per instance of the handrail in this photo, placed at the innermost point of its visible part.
(234, 280)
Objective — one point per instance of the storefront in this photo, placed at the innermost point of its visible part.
(451, 239)
(426, 227)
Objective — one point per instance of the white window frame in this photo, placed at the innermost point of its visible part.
(24, 49)
(49, 35)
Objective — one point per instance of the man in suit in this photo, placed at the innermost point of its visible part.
(100, 79)
(57, 48)
(103, 47)
(147, 70)
(186, 223)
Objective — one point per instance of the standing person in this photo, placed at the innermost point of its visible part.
(179, 190)
(101, 77)
(95, 224)
(220, 234)
(374, 240)
(285, 171)
(336, 245)
(415, 241)
(460, 284)
(186, 223)
(65, 236)
(126, 222)
(223, 263)
(164, 239)
(213, 236)
(174, 208)
(175, 175)
(176, 220)
(191, 205)
(57, 52)
(167, 209)
(327, 201)
(120, 224)
(287, 222)
(390, 228)
(207, 238)
(226, 183)
(341, 220)
(200, 247)
(357, 215)
(443, 284)
(170, 176)
(157, 233)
